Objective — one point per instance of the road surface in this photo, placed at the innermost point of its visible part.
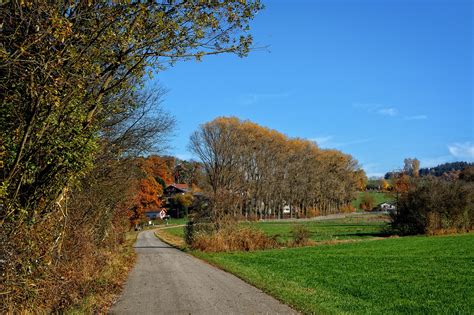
(168, 281)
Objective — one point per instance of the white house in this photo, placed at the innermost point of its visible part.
(385, 206)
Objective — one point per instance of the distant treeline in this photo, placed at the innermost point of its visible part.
(252, 170)
(436, 171)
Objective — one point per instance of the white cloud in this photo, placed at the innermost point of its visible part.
(416, 117)
(377, 109)
(389, 111)
(328, 142)
(322, 141)
(462, 150)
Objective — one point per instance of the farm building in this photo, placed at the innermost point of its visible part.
(174, 189)
(385, 206)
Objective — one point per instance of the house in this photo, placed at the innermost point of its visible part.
(385, 206)
(174, 189)
(152, 215)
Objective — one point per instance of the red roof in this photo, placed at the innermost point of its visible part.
(181, 186)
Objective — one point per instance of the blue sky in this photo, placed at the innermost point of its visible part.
(380, 80)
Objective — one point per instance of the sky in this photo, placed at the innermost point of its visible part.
(380, 80)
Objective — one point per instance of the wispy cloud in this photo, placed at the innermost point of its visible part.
(416, 117)
(390, 111)
(322, 140)
(330, 142)
(255, 98)
(379, 109)
(462, 150)
(457, 151)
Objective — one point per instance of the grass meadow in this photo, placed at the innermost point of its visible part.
(396, 275)
(379, 197)
(352, 227)
(410, 275)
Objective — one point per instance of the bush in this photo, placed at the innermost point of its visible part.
(193, 228)
(232, 238)
(367, 203)
(435, 206)
(347, 208)
(313, 212)
(300, 235)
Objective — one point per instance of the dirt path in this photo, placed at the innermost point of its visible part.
(168, 281)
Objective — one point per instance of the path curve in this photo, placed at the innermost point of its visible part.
(168, 281)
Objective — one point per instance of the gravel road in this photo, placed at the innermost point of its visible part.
(168, 281)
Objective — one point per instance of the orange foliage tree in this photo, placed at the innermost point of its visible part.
(402, 184)
(161, 168)
(146, 198)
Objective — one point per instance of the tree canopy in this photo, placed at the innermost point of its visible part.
(253, 170)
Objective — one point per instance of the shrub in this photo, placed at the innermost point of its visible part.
(193, 228)
(300, 234)
(232, 238)
(313, 212)
(368, 202)
(347, 208)
(434, 206)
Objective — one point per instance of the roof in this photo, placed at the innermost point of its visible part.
(183, 187)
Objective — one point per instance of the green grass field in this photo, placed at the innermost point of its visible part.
(355, 227)
(410, 275)
(379, 197)
(339, 229)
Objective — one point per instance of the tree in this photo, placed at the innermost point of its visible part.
(181, 204)
(411, 167)
(368, 202)
(255, 171)
(433, 205)
(160, 168)
(361, 179)
(467, 174)
(68, 67)
(384, 185)
(74, 107)
(402, 184)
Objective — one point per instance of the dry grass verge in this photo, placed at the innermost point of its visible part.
(105, 289)
(171, 239)
(233, 238)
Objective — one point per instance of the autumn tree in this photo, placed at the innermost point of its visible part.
(68, 65)
(255, 171)
(146, 198)
(72, 74)
(384, 185)
(411, 167)
(367, 202)
(361, 179)
(159, 167)
(188, 172)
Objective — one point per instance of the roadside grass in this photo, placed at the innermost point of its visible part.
(170, 238)
(353, 227)
(409, 275)
(105, 288)
(379, 197)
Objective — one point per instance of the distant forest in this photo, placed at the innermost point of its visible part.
(437, 170)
